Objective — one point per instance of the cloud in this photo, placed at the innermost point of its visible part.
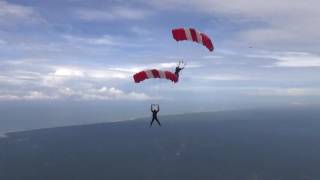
(50, 80)
(111, 14)
(113, 93)
(167, 65)
(103, 40)
(213, 57)
(14, 13)
(24, 81)
(290, 59)
(81, 72)
(140, 31)
(289, 22)
(224, 77)
(286, 92)
(102, 93)
(3, 42)
(257, 9)
(50, 71)
(134, 68)
(67, 72)
(298, 60)
(32, 95)
(81, 77)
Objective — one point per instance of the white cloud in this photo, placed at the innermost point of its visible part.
(130, 13)
(37, 71)
(140, 96)
(68, 72)
(108, 74)
(80, 93)
(8, 97)
(299, 103)
(286, 92)
(95, 72)
(224, 77)
(3, 42)
(140, 31)
(298, 60)
(103, 93)
(81, 77)
(167, 65)
(103, 40)
(297, 92)
(258, 8)
(275, 22)
(113, 93)
(111, 14)
(14, 13)
(24, 81)
(164, 66)
(290, 59)
(213, 57)
(32, 95)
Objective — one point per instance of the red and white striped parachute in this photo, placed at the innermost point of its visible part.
(192, 34)
(154, 73)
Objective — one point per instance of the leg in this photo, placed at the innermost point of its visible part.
(158, 121)
(151, 122)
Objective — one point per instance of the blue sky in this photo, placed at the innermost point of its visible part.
(76, 51)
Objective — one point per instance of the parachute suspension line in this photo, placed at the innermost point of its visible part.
(157, 92)
(156, 85)
(181, 64)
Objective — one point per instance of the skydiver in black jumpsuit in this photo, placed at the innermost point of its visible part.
(154, 114)
(179, 68)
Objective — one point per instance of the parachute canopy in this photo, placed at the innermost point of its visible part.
(191, 34)
(154, 73)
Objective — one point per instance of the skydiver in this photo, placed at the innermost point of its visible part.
(154, 114)
(180, 67)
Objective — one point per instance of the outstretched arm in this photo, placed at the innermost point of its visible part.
(158, 108)
(151, 107)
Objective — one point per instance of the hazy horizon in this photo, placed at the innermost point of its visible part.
(49, 116)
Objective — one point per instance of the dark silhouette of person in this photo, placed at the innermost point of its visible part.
(179, 68)
(154, 114)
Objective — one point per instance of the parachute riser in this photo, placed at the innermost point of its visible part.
(154, 107)
(182, 64)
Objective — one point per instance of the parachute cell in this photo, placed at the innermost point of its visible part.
(154, 73)
(191, 34)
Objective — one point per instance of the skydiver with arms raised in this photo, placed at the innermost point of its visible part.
(180, 67)
(155, 113)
